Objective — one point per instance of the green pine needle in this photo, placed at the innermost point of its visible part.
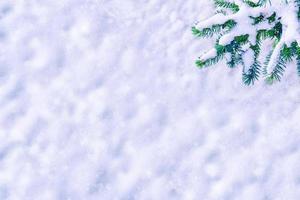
(252, 75)
(228, 5)
(241, 43)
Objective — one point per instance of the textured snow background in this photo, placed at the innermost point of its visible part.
(100, 99)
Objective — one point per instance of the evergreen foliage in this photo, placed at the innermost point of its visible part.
(234, 51)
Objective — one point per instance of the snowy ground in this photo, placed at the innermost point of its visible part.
(100, 99)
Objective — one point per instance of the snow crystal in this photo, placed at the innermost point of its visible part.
(102, 100)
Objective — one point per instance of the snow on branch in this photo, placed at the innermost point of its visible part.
(240, 26)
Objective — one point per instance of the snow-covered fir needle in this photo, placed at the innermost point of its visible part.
(240, 27)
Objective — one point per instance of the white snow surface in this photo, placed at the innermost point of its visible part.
(101, 99)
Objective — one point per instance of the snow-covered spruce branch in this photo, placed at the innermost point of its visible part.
(240, 26)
